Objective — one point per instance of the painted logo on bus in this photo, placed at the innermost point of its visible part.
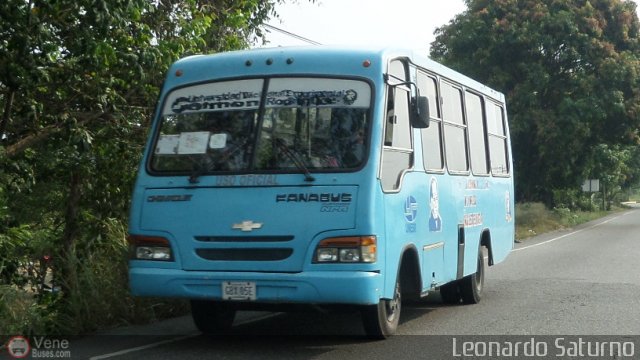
(435, 221)
(410, 213)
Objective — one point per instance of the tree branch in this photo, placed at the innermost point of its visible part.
(30, 140)
(33, 139)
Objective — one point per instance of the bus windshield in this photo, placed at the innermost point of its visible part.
(319, 124)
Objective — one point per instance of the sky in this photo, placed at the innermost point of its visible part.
(402, 23)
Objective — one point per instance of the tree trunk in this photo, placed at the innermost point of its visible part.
(6, 115)
(68, 279)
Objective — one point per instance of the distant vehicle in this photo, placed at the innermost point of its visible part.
(322, 176)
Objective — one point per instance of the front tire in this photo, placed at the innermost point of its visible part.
(471, 286)
(212, 317)
(381, 321)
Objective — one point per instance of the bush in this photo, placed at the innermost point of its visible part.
(530, 214)
(99, 299)
(21, 312)
(565, 216)
(535, 218)
(532, 219)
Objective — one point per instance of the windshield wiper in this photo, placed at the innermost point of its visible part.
(295, 159)
(201, 165)
(196, 172)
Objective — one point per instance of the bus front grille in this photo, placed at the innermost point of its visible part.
(244, 239)
(249, 254)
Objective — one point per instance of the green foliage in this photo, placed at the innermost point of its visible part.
(575, 199)
(21, 313)
(571, 74)
(531, 213)
(535, 218)
(101, 298)
(78, 83)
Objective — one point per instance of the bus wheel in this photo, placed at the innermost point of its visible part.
(450, 293)
(381, 321)
(471, 286)
(212, 317)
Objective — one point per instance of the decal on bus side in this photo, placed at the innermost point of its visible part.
(410, 214)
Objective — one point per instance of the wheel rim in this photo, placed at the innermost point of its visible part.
(480, 274)
(393, 305)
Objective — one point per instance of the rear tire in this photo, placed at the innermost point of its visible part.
(212, 317)
(381, 321)
(471, 286)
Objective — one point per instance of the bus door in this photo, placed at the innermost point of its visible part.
(407, 194)
(396, 166)
(439, 245)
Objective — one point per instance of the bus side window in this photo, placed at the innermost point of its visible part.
(398, 149)
(477, 143)
(455, 128)
(497, 140)
(397, 132)
(390, 119)
(431, 136)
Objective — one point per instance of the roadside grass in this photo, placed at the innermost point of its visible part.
(535, 218)
(100, 298)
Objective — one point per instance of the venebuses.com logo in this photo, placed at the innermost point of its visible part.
(39, 347)
(18, 347)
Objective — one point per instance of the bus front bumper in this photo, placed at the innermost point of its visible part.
(311, 287)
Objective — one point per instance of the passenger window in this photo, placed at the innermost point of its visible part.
(455, 139)
(431, 136)
(497, 140)
(477, 143)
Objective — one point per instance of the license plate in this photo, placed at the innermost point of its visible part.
(238, 290)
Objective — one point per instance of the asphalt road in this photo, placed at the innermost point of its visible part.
(581, 281)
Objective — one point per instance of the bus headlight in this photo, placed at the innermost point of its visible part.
(150, 248)
(153, 253)
(356, 249)
(327, 255)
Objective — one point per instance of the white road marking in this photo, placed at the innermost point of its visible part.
(180, 338)
(143, 347)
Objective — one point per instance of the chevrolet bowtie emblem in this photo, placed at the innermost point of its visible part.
(247, 225)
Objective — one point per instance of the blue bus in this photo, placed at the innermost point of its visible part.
(324, 176)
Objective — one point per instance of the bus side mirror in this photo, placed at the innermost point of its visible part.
(420, 112)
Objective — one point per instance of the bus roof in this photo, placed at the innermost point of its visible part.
(309, 60)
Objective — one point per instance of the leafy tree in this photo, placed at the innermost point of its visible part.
(78, 82)
(616, 167)
(570, 70)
